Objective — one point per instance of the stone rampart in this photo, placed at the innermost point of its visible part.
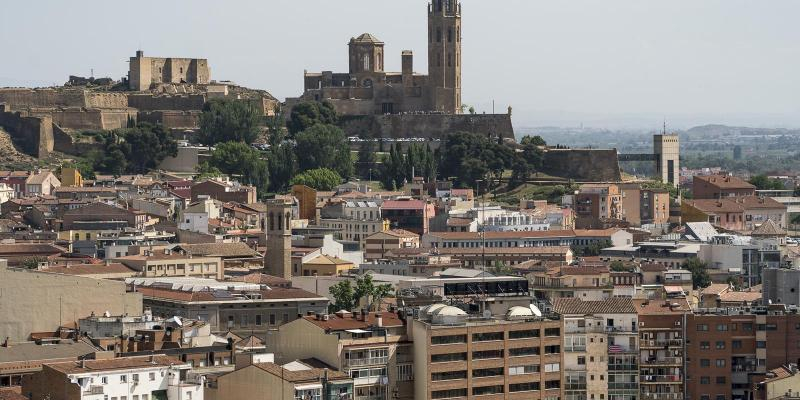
(148, 102)
(33, 135)
(587, 165)
(431, 126)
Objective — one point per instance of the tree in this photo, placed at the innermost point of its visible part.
(32, 262)
(343, 296)
(533, 140)
(379, 293)
(239, 159)
(763, 182)
(324, 146)
(364, 289)
(229, 121)
(146, 146)
(319, 179)
(282, 164)
(698, 268)
(469, 157)
(309, 113)
(618, 266)
(500, 268)
(366, 160)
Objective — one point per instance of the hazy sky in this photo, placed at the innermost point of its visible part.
(608, 63)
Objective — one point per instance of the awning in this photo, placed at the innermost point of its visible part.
(673, 289)
(308, 386)
(356, 331)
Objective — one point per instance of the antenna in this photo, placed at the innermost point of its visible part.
(665, 126)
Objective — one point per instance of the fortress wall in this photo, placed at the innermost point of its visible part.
(106, 100)
(427, 125)
(147, 102)
(44, 98)
(172, 119)
(592, 165)
(33, 135)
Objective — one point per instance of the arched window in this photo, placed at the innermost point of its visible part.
(379, 61)
(449, 35)
(438, 34)
(366, 62)
(271, 221)
(280, 222)
(181, 69)
(288, 219)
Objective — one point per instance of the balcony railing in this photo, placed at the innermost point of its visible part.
(574, 348)
(575, 386)
(662, 396)
(662, 361)
(360, 362)
(623, 367)
(661, 342)
(95, 389)
(623, 386)
(660, 378)
(375, 397)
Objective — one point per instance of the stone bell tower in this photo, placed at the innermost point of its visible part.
(278, 259)
(444, 54)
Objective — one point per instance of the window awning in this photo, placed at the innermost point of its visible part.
(356, 331)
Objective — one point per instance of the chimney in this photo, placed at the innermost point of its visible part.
(83, 364)
(364, 314)
(379, 320)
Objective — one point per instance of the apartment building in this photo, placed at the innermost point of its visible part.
(269, 381)
(642, 206)
(579, 238)
(728, 349)
(597, 202)
(661, 348)
(719, 186)
(587, 283)
(132, 378)
(228, 306)
(601, 348)
(377, 245)
(371, 348)
(514, 356)
(409, 214)
(166, 262)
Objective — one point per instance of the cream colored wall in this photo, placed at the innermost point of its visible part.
(419, 333)
(40, 302)
(302, 339)
(779, 388)
(248, 383)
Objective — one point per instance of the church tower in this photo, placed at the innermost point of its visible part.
(278, 259)
(444, 54)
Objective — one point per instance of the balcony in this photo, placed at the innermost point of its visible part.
(615, 349)
(94, 389)
(575, 348)
(575, 386)
(361, 362)
(660, 343)
(661, 378)
(662, 396)
(373, 397)
(623, 386)
(677, 361)
(623, 367)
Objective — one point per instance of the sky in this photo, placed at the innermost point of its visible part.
(605, 64)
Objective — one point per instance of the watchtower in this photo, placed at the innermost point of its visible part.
(278, 261)
(444, 54)
(666, 149)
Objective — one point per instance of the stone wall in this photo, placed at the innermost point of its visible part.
(172, 119)
(148, 102)
(430, 126)
(23, 98)
(583, 165)
(33, 135)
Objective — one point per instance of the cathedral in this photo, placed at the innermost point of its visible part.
(366, 89)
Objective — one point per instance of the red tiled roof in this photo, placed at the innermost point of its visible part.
(725, 182)
(275, 293)
(89, 269)
(337, 323)
(613, 305)
(403, 205)
(86, 366)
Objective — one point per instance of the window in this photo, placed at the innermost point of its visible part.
(523, 387)
(487, 336)
(720, 362)
(523, 351)
(747, 326)
(450, 339)
(448, 357)
(581, 360)
(736, 344)
(720, 344)
(244, 320)
(104, 380)
(482, 355)
(272, 319)
(722, 327)
(258, 320)
(720, 397)
(523, 369)
(554, 384)
(554, 349)
(285, 318)
(448, 375)
(720, 380)
(705, 345)
(705, 362)
(123, 378)
(702, 327)
(405, 372)
(554, 367)
(445, 394)
(552, 332)
(705, 380)
(532, 333)
(480, 373)
(484, 390)
(761, 344)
